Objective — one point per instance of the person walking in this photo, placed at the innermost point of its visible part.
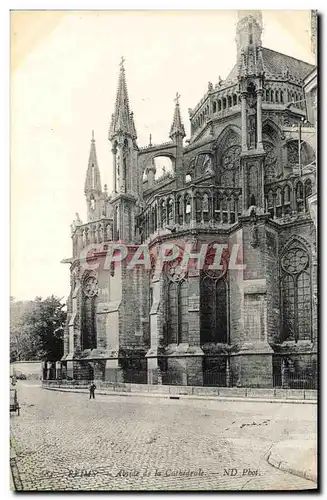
(92, 390)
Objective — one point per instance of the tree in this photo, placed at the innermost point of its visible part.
(36, 329)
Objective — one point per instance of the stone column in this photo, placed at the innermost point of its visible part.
(114, 152)
(236, 208)
(259, 120)
(274, 206)
(58, 370)
(157, 319)
(194, 362)
(244, 127)
(49, 372)
(121, 168)
(44, 370)
(193, 210)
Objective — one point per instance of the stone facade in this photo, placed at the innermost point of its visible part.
(243, 180)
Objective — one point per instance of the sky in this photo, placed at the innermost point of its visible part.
(64, 73)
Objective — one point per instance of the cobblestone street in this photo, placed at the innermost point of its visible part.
(64, 441)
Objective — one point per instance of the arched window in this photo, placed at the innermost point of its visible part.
(179, 209)
(198, 207)
(270, 161)
(170, 211)
(270, 203)
(163, 218)
(177, 310)
(268, 95)
(230, 166)
(214, 107)
(229, 100)
(279, 202)
(299, 196)
(296, 293)
(219, 105)
(277, 96)
(205, 207)
(287, 200)
(234, 99)
(282, 96)
(214, 308)
(272, 96)
(187, 209)
(224, 102)
(90, 291)
(307, 192)
(224, 211)
(287, 194)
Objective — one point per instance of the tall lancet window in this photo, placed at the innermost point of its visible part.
(177, 304)
(90, 292)
(214, 304)
(296, 293)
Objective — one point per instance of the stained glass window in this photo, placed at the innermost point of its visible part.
(172, 312)
(296, 294)
(270, 162)
(231, 166)
(177, 312)
(213, 308)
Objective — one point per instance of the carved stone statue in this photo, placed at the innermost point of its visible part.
(78, 221)
(251, 120)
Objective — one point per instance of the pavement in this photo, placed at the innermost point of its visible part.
(296, 456)
(66, 442)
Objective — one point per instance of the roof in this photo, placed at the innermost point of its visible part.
(275, 63)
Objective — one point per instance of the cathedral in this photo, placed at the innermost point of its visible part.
(245, 179)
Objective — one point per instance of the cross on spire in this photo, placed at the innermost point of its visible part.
(177, 98)
(177, 127)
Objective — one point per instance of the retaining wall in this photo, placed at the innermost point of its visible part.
(303, 394)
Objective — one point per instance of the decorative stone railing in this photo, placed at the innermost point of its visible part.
(287, 199)
(151, 147)
(203, 206)
(93, 232)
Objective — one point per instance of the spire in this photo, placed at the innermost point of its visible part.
(177, 127)
(121, 120)
(93, 180)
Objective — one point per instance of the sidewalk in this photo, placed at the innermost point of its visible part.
(104, 392)
(11, 460)
(296, 456)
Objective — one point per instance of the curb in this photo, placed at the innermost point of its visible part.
(278, 463)
(15, 480)
(185, 396)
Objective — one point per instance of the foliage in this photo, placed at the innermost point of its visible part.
(36, 329)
